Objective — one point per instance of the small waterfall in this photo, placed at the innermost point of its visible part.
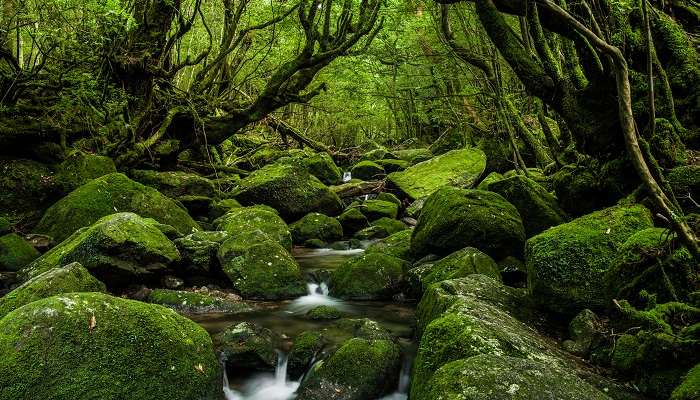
(347, 176)
(317, 288)
(317, 296)
(265, 386)
(401, 392)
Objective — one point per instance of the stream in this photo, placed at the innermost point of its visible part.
(286, 318)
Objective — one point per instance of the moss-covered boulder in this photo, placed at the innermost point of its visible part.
(367, 171)
(537, 208)
(649, 260)
(221, 207)
(246, 222)
(104, 347)
(196, 302)
(371, 276)
(265, 270)
(397, 245)
(119, 249)
(247, 346)
(689, 389)
(490, 178)
(390, 197)
(376, 154)
(324, 313)
(316, 226)
(566, 264)
(685, 183)
(414, 156)
(353, 220)
(198, 251)
(392, 165)
(375, 209)
(15, 252)
(459, 264)
(456, 218)
(453, 139)
(70, 278)
(391, 226)
(497, 377)
(289, 189)
(305, 348)
(175, 184)
(26, 188)
(361, 369)
(322, 166)
(107, 195)
(80, 168)
(459, 168)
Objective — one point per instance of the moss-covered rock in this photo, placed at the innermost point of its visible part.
(247, 346)
(15, 252)
(289, 189)
(70, 278)
(459, 264)
(361, 369)
(104, 347)
(397, 245)
(377, 154)
(367, 171)
(322, 166)
(324, 313)
(26, 188)
(107, 195)
(306, 346)
(367, 277)
(119, 249)
(80, 168)
(316, 226)
(414, 156)
(175, 184)
(584, 331)
(392, 165)
(373, 232)
(265, 270)
(689, 389)
(242, 224)
(453, 139)
(493, 177)
(415, 208)
(375, 209)
(456, 218)
(537, 208)
(198, 251)
(491, 376)
(196, 302)
(685, 182)
(390, 197)
(566, 264)
(391, 226)
(459, 168)
(353, 220)
(221, 207)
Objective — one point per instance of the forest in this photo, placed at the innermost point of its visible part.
(349, 199)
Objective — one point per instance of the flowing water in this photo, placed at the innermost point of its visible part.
(347, 176)
(286, 318)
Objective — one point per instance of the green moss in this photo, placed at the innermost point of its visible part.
(397, 245)
(107, 195)
(460, 168)
(375, 209)
(117, 249)
(289, 189)
(689, 389)
(321, 166)
(248, 222)
(316, 226)
(367, 277)
(454, 218)
(265, 270)
(5, 226)
(385, 196)
(80, 168)
(94, 346)
(175, 184)
(377, 154)
(198, 251)
(193, 302)
(360, 369)
(493, 177)
(303, 352)
(566, 264)
(367, 171)
(392, 165)
(248, 346)
(353, 220)
(26, 187)
(324, 313)
(462, 263)
(71, 278)
(453, 139)
(15, 252)
(391, 226)
(414, 156)
(221, 207)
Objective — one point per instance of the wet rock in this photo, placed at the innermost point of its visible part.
(455, 218)
(367, 277)
(306, 348)
(119, 249)
(566, 264)
(324, 313)
(460, 264)
(197, 302)
(289, 189)
(107, 195)
(80, 168)
(247, 346)
(367, 171)
(159, 354)
(459, 168)
(40, 242)
(316, 226)
(15, 253)
(70, 278)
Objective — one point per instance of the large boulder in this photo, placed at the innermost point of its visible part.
(496, 377)
(460, 264)
(80, 168)
(371, 276)
(68, 279)
(566, 264)
(538, 209)
(242, 224)
(397, 245)
(198, 251)
(107, 195)
(322, 166)
(198, 302)
(118, 249)
(456, 218)
(367, 171)
(459, 168)
(175, 184)
(289, 189)
(360, 369)
(353, 220)
(264, 270)
(316, 226)
(375, 209)
(95, 346)
(15, 252)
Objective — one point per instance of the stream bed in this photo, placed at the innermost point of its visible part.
(287, 319)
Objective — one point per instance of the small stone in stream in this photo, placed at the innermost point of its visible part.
(371, 276)
(195, 302)
(324, 313)
(247, 346)
(305, 350)
(172, 282)
(315, 244)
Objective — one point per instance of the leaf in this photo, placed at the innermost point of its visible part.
(199, 368)
(92, 323)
